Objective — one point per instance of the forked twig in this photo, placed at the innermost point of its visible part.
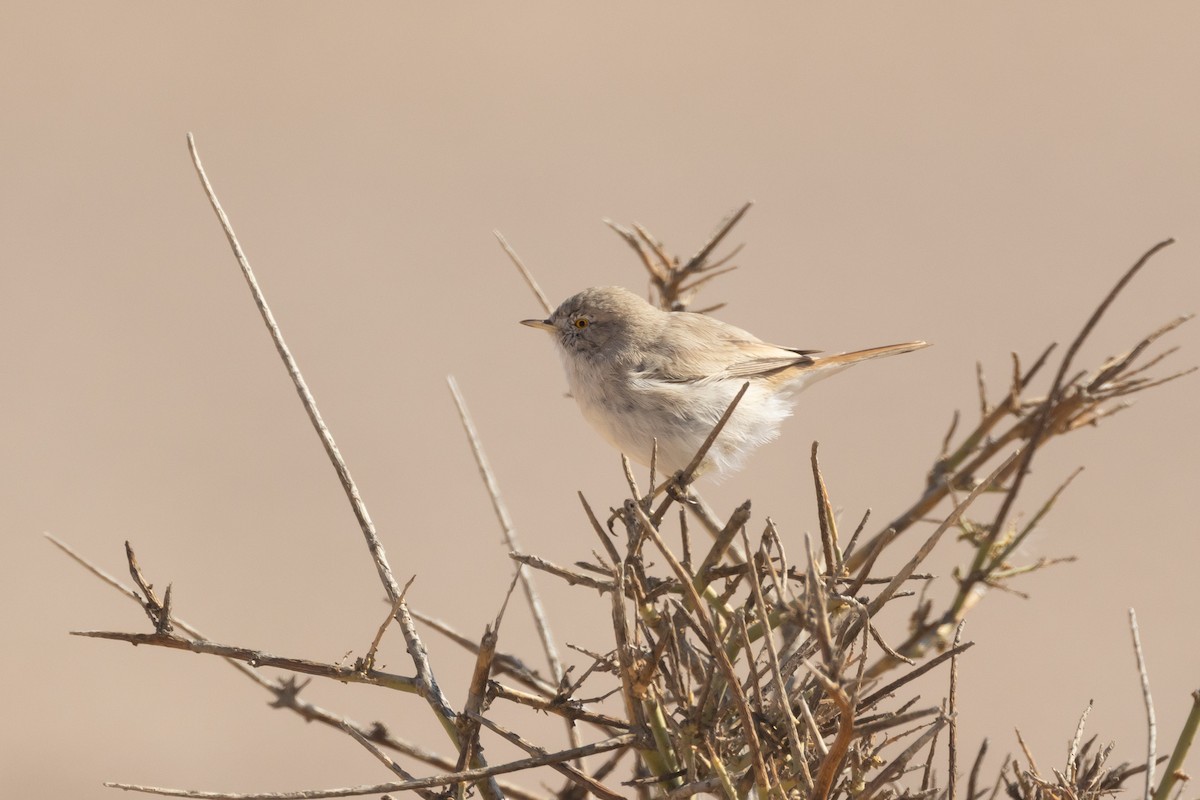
(287, 691)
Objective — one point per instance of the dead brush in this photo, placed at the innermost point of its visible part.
(738, 668)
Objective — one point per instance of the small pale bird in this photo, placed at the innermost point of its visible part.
(640, 374)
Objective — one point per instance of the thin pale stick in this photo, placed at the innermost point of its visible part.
(530, 281)
(1118, 365)
(609, 547)
(615, 742)
(573, 774)
(369, 659)
(510, 533)
(850, 545)
(633, 241)
(1152, 730)
(656, 247)
(893, 720)
(570, 710)
(506, 663)
(876, 696)
(1028, 755)
(1073, 752)
(883, 645)
(631, 481)
(952, 774)
(388, 762)
(310, 405)
(510, 537)
(691, 468)
(570, 576)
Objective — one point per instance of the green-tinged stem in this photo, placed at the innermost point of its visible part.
(1182, 745)
(662, 741)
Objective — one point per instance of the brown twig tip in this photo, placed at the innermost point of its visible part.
(676, 281)
(159, 611)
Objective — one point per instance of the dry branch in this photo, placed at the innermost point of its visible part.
(746, 673)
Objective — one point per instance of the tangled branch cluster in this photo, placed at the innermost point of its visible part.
(737, 669)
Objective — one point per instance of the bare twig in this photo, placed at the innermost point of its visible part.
(158, 611)
(624, 740)
(829, 534)
(572, 577)
(510, 536)
(952, 713)
(368, 660)
(684, 478)
(505, 663)
(972, 781)
(1151, 728)
(258, 658)
(388, 761)
(310, 405)
(573, 774)
(571, 710)
(530, 281)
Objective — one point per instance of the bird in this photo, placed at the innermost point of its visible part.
(655, 382)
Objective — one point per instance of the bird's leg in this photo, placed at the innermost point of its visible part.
(675, 488)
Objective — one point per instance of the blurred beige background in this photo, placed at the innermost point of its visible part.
(973, 175)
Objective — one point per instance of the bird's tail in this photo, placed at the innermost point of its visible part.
(823, 367)
(843, 360)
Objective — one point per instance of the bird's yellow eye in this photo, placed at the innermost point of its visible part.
(581, 323)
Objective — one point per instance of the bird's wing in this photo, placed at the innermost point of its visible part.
(699, 347)
(761, 367)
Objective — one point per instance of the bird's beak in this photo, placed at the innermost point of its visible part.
(543, 324)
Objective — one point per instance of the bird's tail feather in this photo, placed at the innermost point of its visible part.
(823, 367)
(843, 360)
